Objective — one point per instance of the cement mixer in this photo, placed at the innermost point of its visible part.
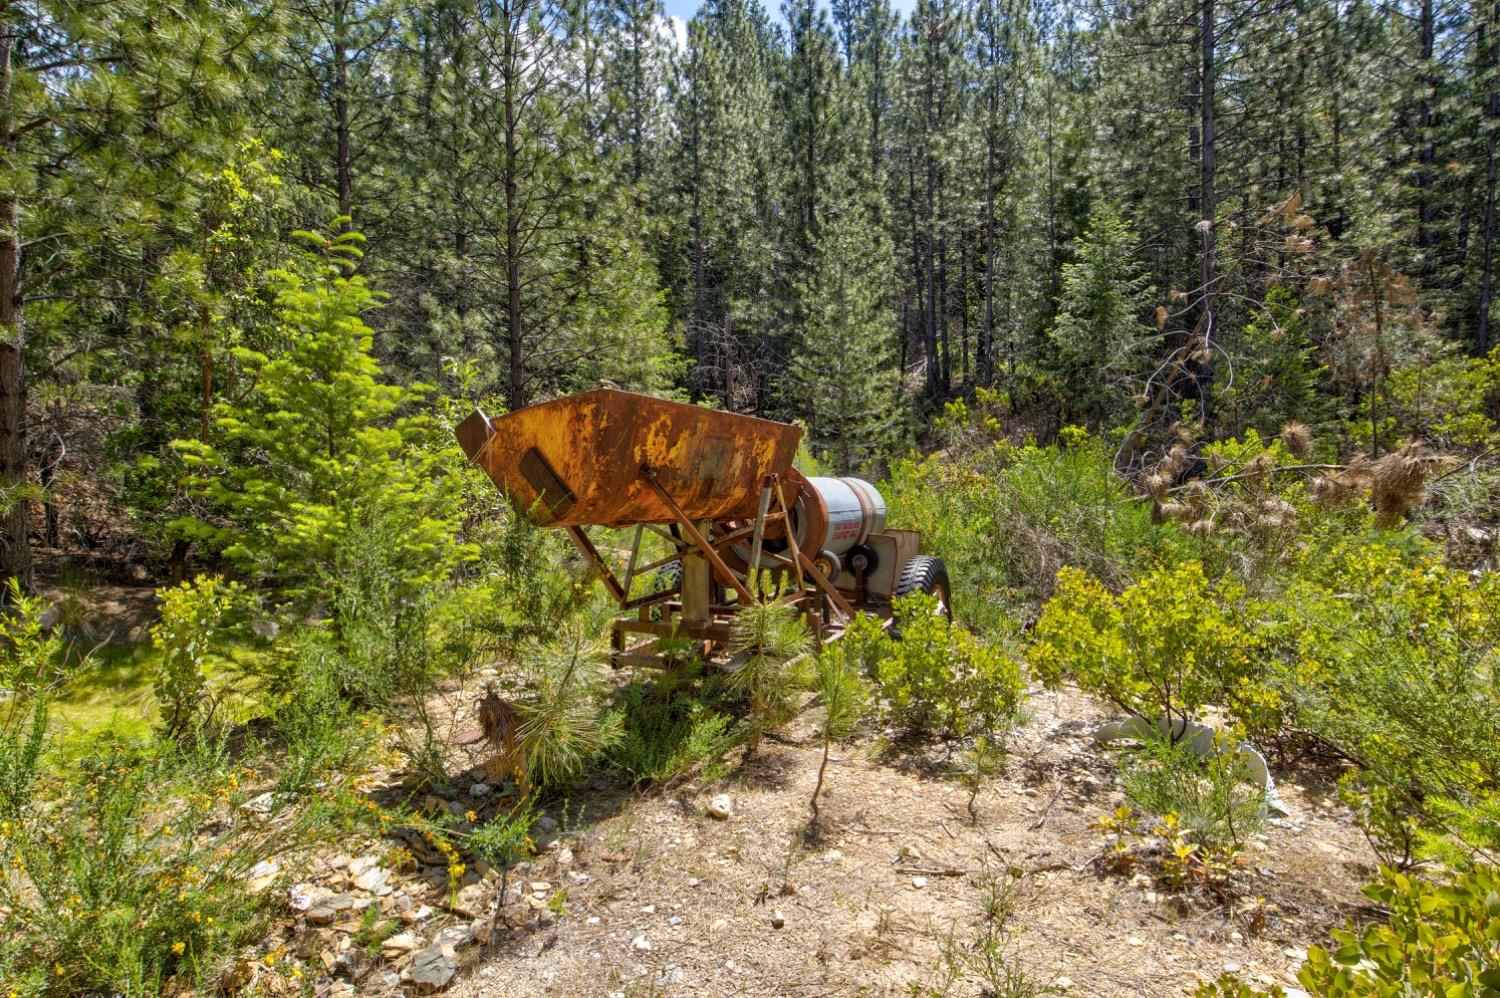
(739, 521)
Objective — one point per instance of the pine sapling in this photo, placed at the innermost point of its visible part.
(845, 695)
(765, 638)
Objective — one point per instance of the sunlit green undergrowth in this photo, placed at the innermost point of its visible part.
(109, 686)
(1006, 518)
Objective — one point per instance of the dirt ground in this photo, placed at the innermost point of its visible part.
(662, 899)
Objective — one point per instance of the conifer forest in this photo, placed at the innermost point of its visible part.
(1157, 335)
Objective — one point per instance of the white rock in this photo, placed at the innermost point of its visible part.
(363, 863)
(649, 909)
(919, 882)
(454, 936)
(777, 919)
(259, 804)
(591, 920)
(372, 879)
(402, 942)
(263, 875)
(721, 807)
(641, 943)
(1063, 983)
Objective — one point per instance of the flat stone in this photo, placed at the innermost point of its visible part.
(454, 936)
(262, 875)
(721, 807)
(325, 910)
(260, 804)
(432, 969)
(472, 901)
(401, 942)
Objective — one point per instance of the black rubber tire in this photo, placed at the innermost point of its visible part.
(669, 576)
(926, 574)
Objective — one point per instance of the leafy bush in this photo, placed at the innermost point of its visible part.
(664, 737)
(1208, 795)
(1005, 519)
(190, 614)
(1395, 663)
(1438, 938)
(939, 677)
(1165, 647)
(131, 873)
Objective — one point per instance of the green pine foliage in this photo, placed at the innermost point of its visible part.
(770, 643)
(321, 446)
(1099, 338)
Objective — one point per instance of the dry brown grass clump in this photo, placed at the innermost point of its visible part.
(1297, 439)
(1398, 481)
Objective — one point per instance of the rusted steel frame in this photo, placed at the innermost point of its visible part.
(659, 563)
(665, 534)
(791, 536)
(716, 631)
(760, 527)
(649, 598)
(726, 575)
(827, 587)
(740, 533)
(635, 551)
(592, 554)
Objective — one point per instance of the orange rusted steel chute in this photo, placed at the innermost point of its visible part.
(577, 461)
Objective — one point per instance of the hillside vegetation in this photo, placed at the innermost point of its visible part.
(1167, 324)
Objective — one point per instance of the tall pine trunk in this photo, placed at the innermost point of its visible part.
(1490, 42)
(515, 344)
(15, 543)
(343, 165)
(1202, 364)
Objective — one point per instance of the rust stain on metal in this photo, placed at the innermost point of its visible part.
(577, 461)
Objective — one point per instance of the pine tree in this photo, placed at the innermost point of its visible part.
(321, 449)
(1098, 337)
(104, 112)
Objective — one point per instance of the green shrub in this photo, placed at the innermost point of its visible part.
(190, 614)
(1395, 663)
(505, 838)
(1165, 647)
(1005, 519)
(844, 696)
(29, 678)
(940, 678)
(1438, 938)
(565, 721)
(1213, 804)
(133, 871)
(318, 446)
(664, 737)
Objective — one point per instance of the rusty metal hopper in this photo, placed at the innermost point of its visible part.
(577, 461)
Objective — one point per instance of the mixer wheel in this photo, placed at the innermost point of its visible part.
(927, 574)
(669, 576)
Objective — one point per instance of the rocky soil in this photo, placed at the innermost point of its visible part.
(720, 889)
